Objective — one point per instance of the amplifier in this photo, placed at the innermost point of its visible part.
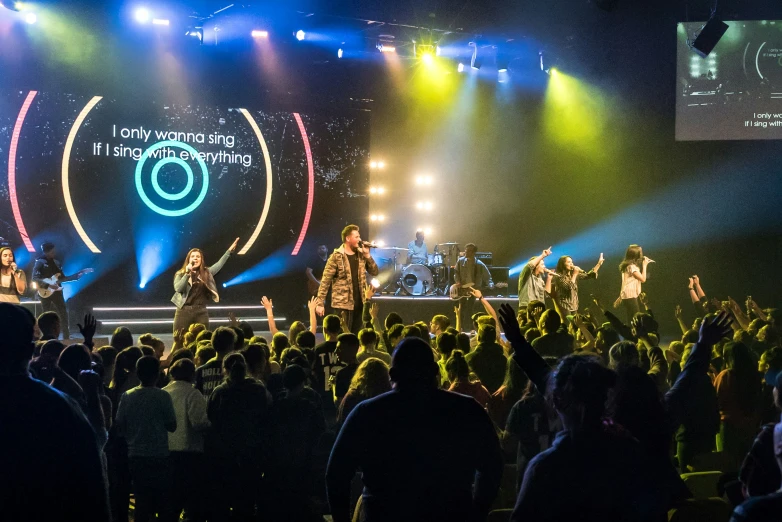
(500, 275)
(486, 257)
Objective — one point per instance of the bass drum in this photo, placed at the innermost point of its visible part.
(417, 280)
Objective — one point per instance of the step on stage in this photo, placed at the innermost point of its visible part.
(423, 308)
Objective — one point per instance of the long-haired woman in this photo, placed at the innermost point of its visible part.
(370, 380)
(633, 270)
(13, 282)
(459, 376)
(565, 284)
(194, 287)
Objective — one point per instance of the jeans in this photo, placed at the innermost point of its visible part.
(188, 484)
(190, 314)
(631, 307)
(56, 303)
(352, 318)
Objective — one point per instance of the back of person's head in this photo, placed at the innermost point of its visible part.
(622, 354)
(367, 337)
(239, 343)
(280, 342)
(255, 357)
(515, 381)
(550, 321)
(742, 336)
(148, 370)
(223, 340)
(463, 342)
(204, 354)
(371, 378)
(676, 347)
(183, 353)
(247, 330)
(393, 319)
(452, 330)
(441, 321)
(738, 357)
(293, 377)
(183, 370)
(487, 333)
(52, 348)
(771, 360)
(413, 365)
(296, 328)
(395, 332)
(49, 324)
(108, 354)
(457, 367)
(121, 338)
(306, 339)
(347, 347)
(147, 350)
(196, 328)
(412, 331)
(258, 339)
(234, 369)
(533, 307)
(424, 330)
(690, 336)
(290, 354)
(475, 317)
(332, 325)
(446, 343)
(155, 343)
(203, 335)
(74, 359)
(606, 337)
(486, 319)
(578, 388)
(17, 325)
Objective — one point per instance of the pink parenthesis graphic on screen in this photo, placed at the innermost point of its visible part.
(12, 170)
(311, 185)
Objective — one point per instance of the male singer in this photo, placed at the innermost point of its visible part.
(345, 274)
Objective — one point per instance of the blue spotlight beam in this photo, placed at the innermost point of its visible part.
(276, 264)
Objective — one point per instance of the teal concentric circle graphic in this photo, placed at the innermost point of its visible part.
(156, 185)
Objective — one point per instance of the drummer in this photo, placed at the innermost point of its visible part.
(416, 250)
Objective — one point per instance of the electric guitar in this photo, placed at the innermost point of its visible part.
(460, 292)
(54, 282)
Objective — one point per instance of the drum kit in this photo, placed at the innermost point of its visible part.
(431, 278)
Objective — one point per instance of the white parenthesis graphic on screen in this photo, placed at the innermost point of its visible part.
(267, 202)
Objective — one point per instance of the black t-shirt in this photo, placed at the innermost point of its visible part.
(342, 380)
(317, 265)
(326, 365)
(353, 260)
(559, 344)
(199, 295)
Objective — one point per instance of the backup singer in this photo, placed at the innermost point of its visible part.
(346, 274)
(194, 287)
(633, 270)
(13, 282)
(565, 284)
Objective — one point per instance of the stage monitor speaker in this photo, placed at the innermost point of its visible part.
(486, 257)
(500, 275)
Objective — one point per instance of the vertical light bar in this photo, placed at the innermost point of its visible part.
(66, 186)
(267, 202)
(12, 170)
(311, 188)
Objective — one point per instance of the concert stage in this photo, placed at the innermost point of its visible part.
(425, 307)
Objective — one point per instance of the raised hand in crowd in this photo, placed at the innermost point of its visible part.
(714, 329)
(88, 330)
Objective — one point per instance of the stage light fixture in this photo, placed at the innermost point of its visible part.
(11, 5)
(160, 21)
(427, 58)
(423, 180)
(30, 18)
(381, 191)
(460, 67)
(300, 35)
(142, 285)
(380, 243)
(259, 34)
(437, 50)
(385, 48)
(339, 53)
(373, 164)
(142, 15)
(502, 63)
(381, 164)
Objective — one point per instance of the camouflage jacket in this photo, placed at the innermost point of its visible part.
(337, 276)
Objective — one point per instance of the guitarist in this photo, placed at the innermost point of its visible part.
(315, 267)
(46, 267)
(469, 273)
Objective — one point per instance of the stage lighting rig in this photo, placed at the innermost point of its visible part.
(708, 36)
(476, 60)
(11, 5)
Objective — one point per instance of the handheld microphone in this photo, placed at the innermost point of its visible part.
(367, 244)
(649, 260)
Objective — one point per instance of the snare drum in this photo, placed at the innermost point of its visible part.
(417, 280)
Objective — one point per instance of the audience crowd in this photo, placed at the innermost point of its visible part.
(531, 413)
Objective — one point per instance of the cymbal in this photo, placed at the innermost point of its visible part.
(392, 248)
(446, 244)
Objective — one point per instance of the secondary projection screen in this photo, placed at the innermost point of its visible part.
(735, 93)
(129, 186)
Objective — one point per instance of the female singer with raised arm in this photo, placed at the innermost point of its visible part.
(194, 287)
(633, 270)
(564, 286)
(13, 282)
